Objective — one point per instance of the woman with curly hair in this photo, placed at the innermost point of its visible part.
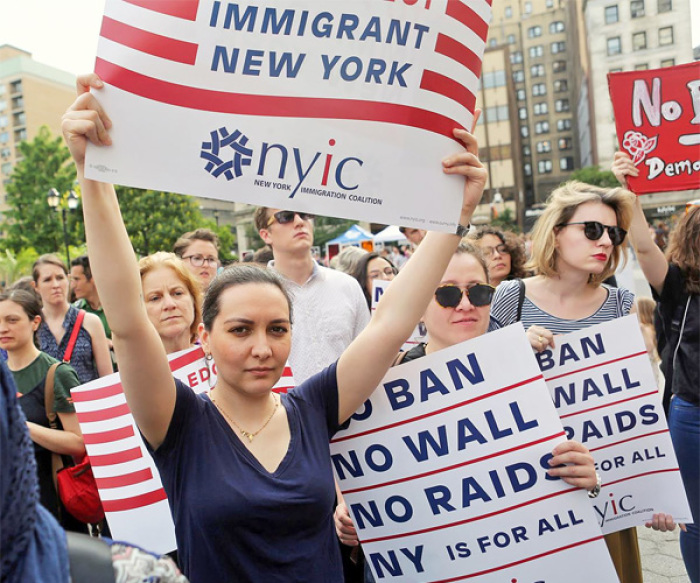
(369, 267)
(503, 252)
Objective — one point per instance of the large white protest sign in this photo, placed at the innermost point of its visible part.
(340, 108)
(378, 288)
(603, 386)
(127, 479)
(444, 473)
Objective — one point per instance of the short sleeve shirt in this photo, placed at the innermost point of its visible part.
(65, 379)
(234, 520)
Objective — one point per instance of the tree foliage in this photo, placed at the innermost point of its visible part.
(29, 221)
(328, 228)
(595, 176)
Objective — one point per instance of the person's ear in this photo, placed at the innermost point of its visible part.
(203, 337)
(265, 236)
(36, 322)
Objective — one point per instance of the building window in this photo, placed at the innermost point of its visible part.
(5, 153)
(524, 131)
(664, 5)
(541, 108)
(494, 79)
(536, 51)
(511, 39)
(561, 105)
(6, 168)
(559, 66)
(493, 42)
(565, 143)
(544, 166)
(522, 112)
(549, 3)
(563, 124)
(556, 26)
(20, 135)
(518, 76)
(539, 89)
(537, 71)
(18, 102)
(528, 7)
(639, 41)
(558, 47)
(614, 46)
(641, 67)
(534, 31)
(668, 62)
(3, 121)
(566, 163)
(561, 85)
(666, 36)
(542, 127)
(544, 146)
(637, 8)
(611, 14)
(3, 103)
(19, 119)
(526, 150)
(4, 137)
(16, 86)
(520, 94)
(2, 89)
(497, 113)
(527, 169)
(616, 70)
(516, 57)
(509, 12)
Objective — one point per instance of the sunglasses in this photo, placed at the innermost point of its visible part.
(450, 296)
(284, 217)
(594, 231)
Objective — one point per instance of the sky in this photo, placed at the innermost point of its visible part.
(63, 33)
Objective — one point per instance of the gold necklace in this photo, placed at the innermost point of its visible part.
(242, 431)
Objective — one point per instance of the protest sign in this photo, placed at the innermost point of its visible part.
(657, 117)
(127, 479)
(444, 473)
(603, 387)
(340, 108)
(378, 288)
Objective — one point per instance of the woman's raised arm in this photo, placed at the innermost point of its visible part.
(143, 365)
(366, 360)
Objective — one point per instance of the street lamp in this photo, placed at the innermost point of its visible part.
(53, 198)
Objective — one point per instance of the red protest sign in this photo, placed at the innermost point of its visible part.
(657, 116)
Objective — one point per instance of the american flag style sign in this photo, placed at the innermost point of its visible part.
(299, 104)
(127, 479)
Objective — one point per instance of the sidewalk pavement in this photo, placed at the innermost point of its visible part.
(661, 556)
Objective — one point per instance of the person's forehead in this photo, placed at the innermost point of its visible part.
(202, 247)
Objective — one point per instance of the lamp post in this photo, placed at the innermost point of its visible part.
(54, 201)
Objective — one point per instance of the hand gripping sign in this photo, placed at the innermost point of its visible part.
(657, 116)
(444, 473)
(605, 392)
(340, 108)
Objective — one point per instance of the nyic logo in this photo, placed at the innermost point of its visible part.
(615, 507)
(287, 167)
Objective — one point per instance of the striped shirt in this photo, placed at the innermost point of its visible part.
(504, 310)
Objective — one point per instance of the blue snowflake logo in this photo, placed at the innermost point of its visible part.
(215, 152)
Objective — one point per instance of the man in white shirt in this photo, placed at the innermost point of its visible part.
(329, 308)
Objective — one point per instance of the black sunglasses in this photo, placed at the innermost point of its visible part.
(479, 294)
(594, 231)
(284, 217)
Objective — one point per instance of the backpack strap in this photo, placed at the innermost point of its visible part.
(399, 357)
(521, 298)
(74, 336)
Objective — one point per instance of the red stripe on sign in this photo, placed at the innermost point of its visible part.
(124, 479)
(455, 466)
(185, 359)
(468, 18)
(566, 374)
(455, 50)
(582, 411)
(473, 518)
(148, 42)
(438, 83)
(103, 414)
(272, 106)
(185, 9)
(438, 412)
(641, 476)
(97, 394)
(630, 439)
(118, 457)
(514, 563)
(124, 504)
(107, 436)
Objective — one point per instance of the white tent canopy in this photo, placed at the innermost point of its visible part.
(389, 235)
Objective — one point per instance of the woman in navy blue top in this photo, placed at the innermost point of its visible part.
(248, 473)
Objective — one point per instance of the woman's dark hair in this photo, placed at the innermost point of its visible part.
(516, 250)
(684, 248)
(359, 272)
(28, 301)
(238, 275)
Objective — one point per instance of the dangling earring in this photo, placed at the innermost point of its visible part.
(208, 358)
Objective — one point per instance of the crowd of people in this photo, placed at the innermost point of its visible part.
(246, 470)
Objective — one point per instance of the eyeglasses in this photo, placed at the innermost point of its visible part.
(284, 217)
(199, 260)
(388, 271)
(450, 296)
(594, 231)
(501, 249)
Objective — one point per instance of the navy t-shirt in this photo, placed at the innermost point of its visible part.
(235, 521)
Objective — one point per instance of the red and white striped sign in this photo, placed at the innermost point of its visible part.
(127, 479)
(302, 104)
